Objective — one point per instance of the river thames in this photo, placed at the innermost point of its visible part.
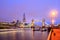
(23, 34)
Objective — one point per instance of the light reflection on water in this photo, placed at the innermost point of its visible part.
(24, 34)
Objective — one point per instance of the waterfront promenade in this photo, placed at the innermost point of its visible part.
(54, 34)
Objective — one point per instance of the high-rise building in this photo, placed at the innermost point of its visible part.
(24, 19)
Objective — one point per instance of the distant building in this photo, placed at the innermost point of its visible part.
(24, 18)
(18, 23)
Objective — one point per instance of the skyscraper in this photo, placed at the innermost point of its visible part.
(24, 19)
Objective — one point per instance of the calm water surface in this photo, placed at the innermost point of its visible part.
(23, 34)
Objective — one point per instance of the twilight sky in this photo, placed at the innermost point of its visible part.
(34, 9)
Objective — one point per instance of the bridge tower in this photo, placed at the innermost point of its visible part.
(32, 24)
(43, 22)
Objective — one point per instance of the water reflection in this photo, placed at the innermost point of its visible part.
(23, 34)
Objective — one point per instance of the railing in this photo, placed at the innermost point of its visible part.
(54, 34)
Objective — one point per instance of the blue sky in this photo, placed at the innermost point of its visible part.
(34, 9)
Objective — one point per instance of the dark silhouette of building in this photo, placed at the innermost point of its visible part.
(24, 18)
(17, 23)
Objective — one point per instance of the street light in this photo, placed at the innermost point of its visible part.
(53, 15)
(52, 21)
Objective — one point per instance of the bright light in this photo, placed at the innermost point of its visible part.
(53, 13)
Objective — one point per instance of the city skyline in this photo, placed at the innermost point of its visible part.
(34, 9)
